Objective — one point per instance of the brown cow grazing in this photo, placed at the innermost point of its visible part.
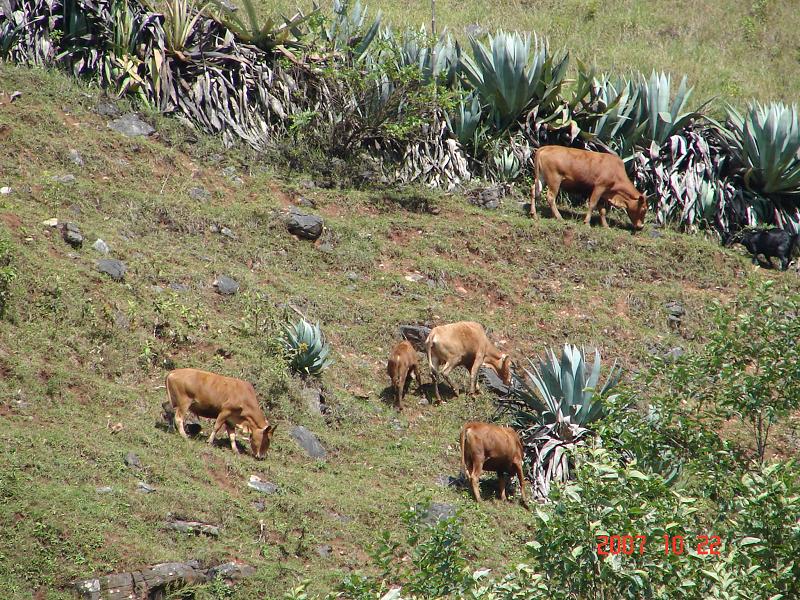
(464, 344)
(232, 402)
(488, 447)
(602, 176)
(402, 363)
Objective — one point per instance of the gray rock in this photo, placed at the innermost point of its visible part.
(313, 399)
(133, 461)
(121, 321)
(675, 312)
(488, 197)
(326, 247)
(104, 490)
(415, 277)
(308, 441)
(265, 487)
(101, 246)
(195, 527)
(112, 267)
(436, 512)
(450, 481)
(107, 109)
(303, 201)
(230, 173)
(231, 571)
(72, 235)
(416, 334)
(144, 488)
(674, 354)
(303, 225)
(259, 505)
(131, 125)
(179, 287)
(226, 286)
(75, 157)
(353, 276)
(227, 233)
(5, 190)
(67, 178)
(324, 550)
(654, 233)
(199, 193)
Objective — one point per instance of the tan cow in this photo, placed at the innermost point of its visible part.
(232, 402)
(492, 448)
(464, 344)
(402, 363)
(600, 175)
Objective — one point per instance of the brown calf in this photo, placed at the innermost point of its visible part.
(602, 176)
(492, 448)
(232, 402)
(402, 363)
(464, 344)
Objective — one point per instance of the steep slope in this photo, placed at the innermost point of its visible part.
(79, 351)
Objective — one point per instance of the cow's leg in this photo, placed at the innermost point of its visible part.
(501, 485)
(474, 476)
(521, 479)
(444, 372)
(603, 221)
(473, 374)
(417, 378)
(593, 200)
(232, 438)
(179, 417)
(221, 422)
(552, 194)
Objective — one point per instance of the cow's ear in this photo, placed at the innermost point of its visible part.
(642, 199)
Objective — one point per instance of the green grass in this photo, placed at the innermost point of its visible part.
(736, 50)
(68, 367)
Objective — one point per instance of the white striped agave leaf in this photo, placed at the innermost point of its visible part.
(347, 32)
(510, 79)
(766, 142)
(308, 352)
(554, 404)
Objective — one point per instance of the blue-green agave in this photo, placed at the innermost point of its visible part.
(308, 352)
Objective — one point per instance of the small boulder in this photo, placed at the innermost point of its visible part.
(437, 511)
(112, 267)
(265, 487)
(179, 287)
(50, 222)
(65, 179)
(130, 125)
(104, 490)
(101, 246)
(72, 235)
(144, 488)
(107, 109)
(132, 460)
(308, 442)
(75, 157)
(231, 571)
(305, 226)
(200, 194)
(416, 334)
(313, 400)
(225, 285)
(5, 190)
(323, 550)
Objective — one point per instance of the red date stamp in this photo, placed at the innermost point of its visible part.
(672, 544)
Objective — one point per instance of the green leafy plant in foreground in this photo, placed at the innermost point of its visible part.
(308, 351)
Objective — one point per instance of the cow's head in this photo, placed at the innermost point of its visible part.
(260, 440)
(504, 372)
(636, 208)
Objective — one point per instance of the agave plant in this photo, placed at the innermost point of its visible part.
(308, 352)
(766, 142)
(554, 404)
(621, 124)
(465, 122)
(414, 49)
(267, 35)
(509, 79)
(664, 113)
(179, 23)
(347, 32)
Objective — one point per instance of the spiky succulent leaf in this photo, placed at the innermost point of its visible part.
(306, 347)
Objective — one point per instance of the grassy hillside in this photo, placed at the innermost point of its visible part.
(737, 50)
(78, 350)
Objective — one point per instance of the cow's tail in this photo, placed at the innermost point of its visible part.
(169, 393)
(429, 341)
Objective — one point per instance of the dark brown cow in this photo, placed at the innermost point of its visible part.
(402, 363)
(232, 402)
(492, 448)
(464, 344)
(602, 176)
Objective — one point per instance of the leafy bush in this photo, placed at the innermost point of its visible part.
(552, 407)
(307, 350)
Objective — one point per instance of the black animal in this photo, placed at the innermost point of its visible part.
(767, 242)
